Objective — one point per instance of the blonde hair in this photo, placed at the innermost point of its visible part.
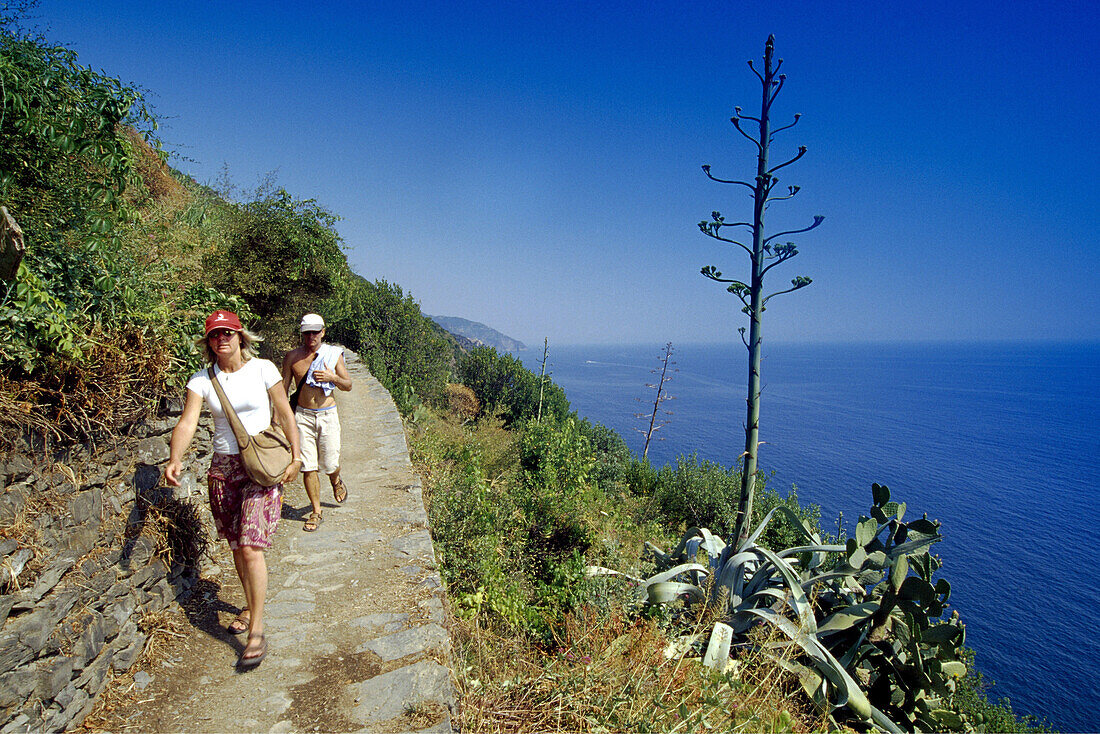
(249, 342)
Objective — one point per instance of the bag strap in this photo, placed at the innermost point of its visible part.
(234, 422)
(298, 387)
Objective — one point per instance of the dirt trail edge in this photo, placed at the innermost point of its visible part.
(355, 620)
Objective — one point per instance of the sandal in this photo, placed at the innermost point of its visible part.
(251, 661)
(314, 522)
(241, 623)
(340, 491)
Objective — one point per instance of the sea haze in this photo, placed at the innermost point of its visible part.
(999, 442)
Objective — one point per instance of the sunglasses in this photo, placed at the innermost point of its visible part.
(221, 334)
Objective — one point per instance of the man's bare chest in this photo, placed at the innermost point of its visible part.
(300, 365)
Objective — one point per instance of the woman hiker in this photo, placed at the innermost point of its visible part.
(245, 514)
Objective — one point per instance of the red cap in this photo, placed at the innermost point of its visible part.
(223, 320)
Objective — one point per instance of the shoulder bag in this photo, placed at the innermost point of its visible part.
(266, 454)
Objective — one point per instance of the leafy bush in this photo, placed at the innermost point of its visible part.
(611, 453)
(701, 493)
(282, 256)
(557, 461)
(393, 337)
(66, 169)
(972, 702)
(503, 385)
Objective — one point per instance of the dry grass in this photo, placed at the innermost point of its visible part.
(154, 171)
(610, 673)
(462, 401)
(120, 382)
(178, 531)
(607, 669)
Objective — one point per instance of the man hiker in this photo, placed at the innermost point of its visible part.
(310, 374)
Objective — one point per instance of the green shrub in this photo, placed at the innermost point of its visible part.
(67, 176)
(393, 337)
(700, 493)
(282, 256)
(504, 386)
(971, 700)
(611, 453)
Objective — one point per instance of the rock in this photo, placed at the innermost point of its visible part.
(12, 501)
(20, 723)
(36, 631)
(54, 720)
(13, 652)
(151, 451)
(90, 642)
(16, 685)
(142, 680)
(189, 486)
(408, 642)
(95, 475)
(52, 575)
(386, 696)
(53, 675)
(149, 575)
(161, 595)
(66, 696)
(118, 616)
(418, 545)
(18, 467)
(94, 675)
(434, 606)
(86, 505)
(154, 427)
(126, 494)
(126, 657)
(140, 552)
(59, 483)
(82, 539)
(78, 710)
(172, 406)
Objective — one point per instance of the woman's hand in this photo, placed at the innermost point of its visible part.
(172, 472)
(181, 437)
(291, 472)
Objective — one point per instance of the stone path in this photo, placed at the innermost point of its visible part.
(355, 621)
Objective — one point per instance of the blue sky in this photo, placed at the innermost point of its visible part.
(536, 166)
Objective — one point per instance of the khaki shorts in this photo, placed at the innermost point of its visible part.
(320, 435)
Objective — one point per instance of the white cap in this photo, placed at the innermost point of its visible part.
(312, 322)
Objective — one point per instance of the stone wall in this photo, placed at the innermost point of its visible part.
(105, 562)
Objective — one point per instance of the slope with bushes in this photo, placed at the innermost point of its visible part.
(125, 257)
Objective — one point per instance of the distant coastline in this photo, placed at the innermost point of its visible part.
(478, 334)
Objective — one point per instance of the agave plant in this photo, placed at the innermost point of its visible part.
(862, 617)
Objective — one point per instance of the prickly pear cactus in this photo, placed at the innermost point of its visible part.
(897, 645)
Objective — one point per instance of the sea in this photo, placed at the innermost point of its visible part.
(999, 442)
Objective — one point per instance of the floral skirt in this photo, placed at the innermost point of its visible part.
(244, 512)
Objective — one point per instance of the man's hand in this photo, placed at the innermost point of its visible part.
(324, 375)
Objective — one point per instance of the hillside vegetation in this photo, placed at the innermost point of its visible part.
(533, 509)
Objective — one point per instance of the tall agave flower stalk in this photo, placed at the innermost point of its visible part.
(764, 256)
